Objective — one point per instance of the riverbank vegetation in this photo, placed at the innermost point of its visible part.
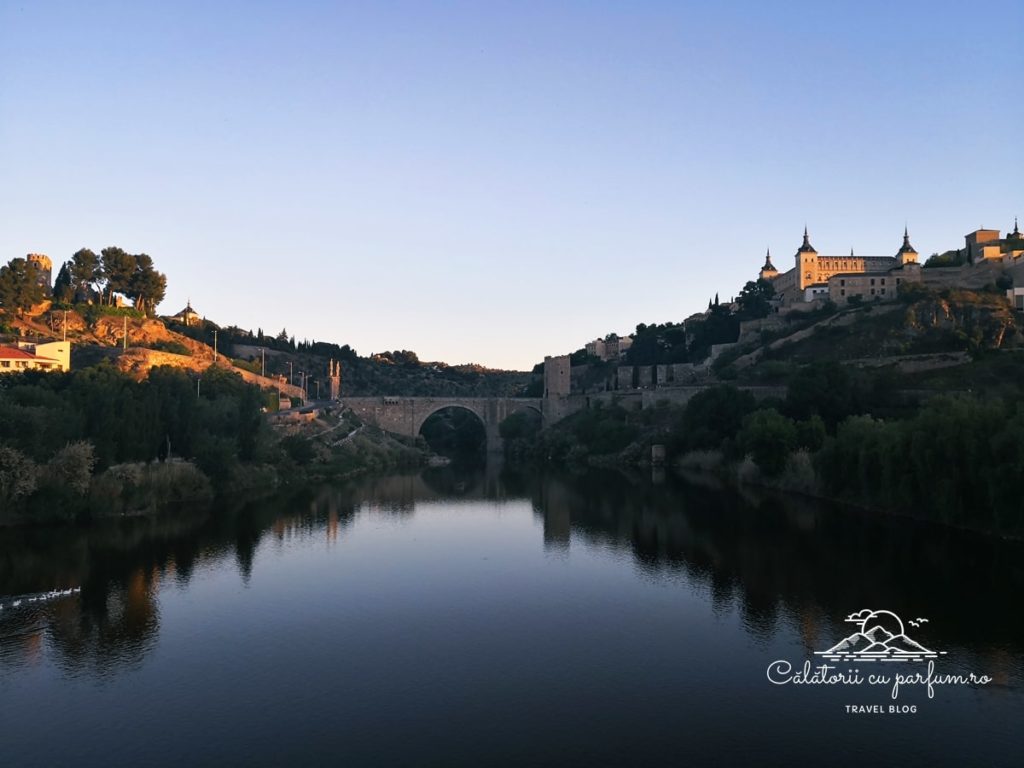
(96, 441)
(848, 434)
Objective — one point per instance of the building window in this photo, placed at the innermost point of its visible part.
(897, 281)
(5, 363)
(883, 290)
(883, 281)
(872, 290)
(872, 282)
(842, 292)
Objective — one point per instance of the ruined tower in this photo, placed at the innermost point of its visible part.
(44, 267)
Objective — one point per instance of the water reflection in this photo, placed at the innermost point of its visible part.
(795, 559)
(777, 562)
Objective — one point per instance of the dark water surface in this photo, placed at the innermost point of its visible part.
(496, 620)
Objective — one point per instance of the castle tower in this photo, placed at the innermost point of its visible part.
(45, 267)
(806, 263)
(906, 254)
(768, 271)
(1015, 235)
(334, 374)
(557, 378)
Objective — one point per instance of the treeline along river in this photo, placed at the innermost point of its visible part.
(498, 619)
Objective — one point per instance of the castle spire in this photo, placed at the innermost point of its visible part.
(806, 247)
(768, 260)
(907, 247)
(1016, 230)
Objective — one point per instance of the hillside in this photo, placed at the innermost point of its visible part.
(924, 332)
(98, 334)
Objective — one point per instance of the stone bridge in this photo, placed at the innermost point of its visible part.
(406, 415)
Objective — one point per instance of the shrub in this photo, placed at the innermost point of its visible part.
(71, 467)
(18, 474)
(768, 437)
(799, 474)
(173, 347)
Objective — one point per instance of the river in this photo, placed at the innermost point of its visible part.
(503, 619)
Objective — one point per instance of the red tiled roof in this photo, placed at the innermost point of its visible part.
(13, 353)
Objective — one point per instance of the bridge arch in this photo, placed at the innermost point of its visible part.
(523, 407)
(456, 431)
(406, 415)
(437, 407)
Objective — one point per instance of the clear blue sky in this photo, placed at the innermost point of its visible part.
(493, 182)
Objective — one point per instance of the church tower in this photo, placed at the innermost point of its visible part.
(906, 254)
(806, 263)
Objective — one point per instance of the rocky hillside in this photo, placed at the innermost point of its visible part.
(925, 329)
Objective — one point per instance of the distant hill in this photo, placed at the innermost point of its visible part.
(98, 333)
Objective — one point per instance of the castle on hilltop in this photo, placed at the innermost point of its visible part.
(44, 268)
(839, 278)
(843, 279)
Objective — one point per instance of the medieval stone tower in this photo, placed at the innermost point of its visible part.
(806, 263)
(45, 267)
(334, 374)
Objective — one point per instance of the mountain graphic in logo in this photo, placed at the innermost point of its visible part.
(882, 637)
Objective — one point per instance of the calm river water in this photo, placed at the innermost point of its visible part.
(502, 620)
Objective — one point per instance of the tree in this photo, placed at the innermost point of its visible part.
(117, 271)
(719, 327)
(71, 467)
(63, 290)
(17, 474)
(146, 287)
(20, 288)
(85, 271)
(768, 437)
(714, 417)
(755, 299)
(824, 388)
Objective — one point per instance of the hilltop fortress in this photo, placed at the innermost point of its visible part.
(843, 279)
(819, 294)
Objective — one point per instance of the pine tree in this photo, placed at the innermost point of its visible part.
(63, 290)
(20, 288)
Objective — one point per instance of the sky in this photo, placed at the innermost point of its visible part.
(494, 182)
